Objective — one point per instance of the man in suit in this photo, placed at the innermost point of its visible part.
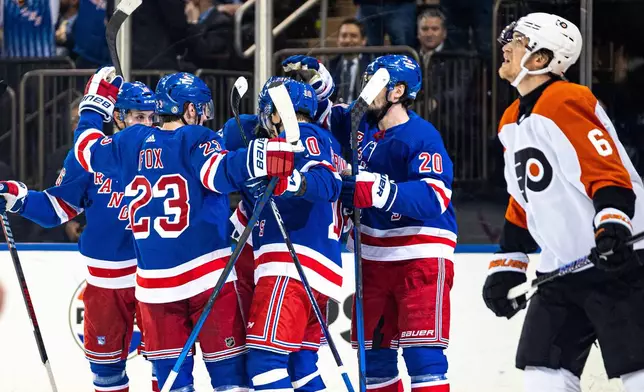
(432, 33)
(347, 69)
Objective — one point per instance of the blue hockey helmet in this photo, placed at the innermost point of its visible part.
(402, 69)
(175, 90)
(135, 96)
(302, 96)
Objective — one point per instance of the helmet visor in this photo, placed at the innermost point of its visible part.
(207, 110)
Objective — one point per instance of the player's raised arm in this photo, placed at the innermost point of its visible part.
(96, 107)
(316, 180)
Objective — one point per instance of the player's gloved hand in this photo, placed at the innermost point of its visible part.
(294, 185)
(506, 271)
(368, 190)
(12, 196)
(312, 72)
(101, 91)
(612, 230)
(270, 157)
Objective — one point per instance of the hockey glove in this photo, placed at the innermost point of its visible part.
(368, 190)
(312, 72)
(101, 92)
(612, 230)
(12, 196)
(294, 185)
(270, 157)
(506, 271)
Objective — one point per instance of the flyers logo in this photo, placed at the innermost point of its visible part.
(533, 170)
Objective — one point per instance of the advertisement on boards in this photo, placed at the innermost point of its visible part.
(481, 352)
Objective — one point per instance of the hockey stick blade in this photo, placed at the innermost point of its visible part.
(241, 86)
(284, 105)
(123, 10)
(569, 268)
(377, 82)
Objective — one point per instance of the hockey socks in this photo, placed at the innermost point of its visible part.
(382, 371)
(110, 377)
(304, 373)
(268, 371)
(427, 367)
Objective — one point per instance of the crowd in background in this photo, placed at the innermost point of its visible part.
(453, 39)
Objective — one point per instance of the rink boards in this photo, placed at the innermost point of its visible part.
(481, 352)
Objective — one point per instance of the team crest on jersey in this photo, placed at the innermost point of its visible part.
(533, 170)
(77, 324)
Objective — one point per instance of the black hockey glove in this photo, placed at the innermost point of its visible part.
(612, 230)
(506, 271)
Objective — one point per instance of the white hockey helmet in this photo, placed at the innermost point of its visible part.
(546, 31)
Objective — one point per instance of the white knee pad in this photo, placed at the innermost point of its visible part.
(541, 379)
(633, 382)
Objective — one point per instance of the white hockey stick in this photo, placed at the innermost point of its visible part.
(284, 105)
(123, 10)
(374, 86)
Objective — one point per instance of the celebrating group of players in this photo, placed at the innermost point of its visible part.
(158, 232)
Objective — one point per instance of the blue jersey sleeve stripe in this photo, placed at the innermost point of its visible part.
(82, 147)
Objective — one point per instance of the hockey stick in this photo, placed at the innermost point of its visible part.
(8, 234)
(6, 228)
(261, 203)
(377, 82)
(282, 107)
(291, 133)
(525, 288)
(123, 10)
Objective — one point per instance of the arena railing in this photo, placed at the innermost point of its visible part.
(9, 126)
(454, 97)
(44, 112)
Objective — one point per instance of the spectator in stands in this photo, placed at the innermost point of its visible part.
(89, 34)
(347, 69)
(474, 15)
(28, 28)
(159, 32)
(64, 26)
(432, 33)
(393, 17)
(211, 35)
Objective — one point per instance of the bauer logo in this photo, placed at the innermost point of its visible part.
(77, 324)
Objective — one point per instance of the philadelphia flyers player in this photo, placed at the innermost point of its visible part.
(178, 176)
(573, 192)
(106, 244)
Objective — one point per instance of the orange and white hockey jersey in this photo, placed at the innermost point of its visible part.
(556, 158)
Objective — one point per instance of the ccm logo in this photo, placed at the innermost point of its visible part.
(421, 332)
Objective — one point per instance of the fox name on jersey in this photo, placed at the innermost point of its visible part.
(420, 221)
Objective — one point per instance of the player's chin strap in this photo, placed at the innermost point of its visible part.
(525, 71)
(373, 119)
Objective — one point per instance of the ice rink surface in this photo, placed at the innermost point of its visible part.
(481, 352)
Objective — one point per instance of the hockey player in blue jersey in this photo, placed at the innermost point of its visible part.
(408, 229)
(281, 320)
(302, 363)
(178, 176)
(106, 244)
